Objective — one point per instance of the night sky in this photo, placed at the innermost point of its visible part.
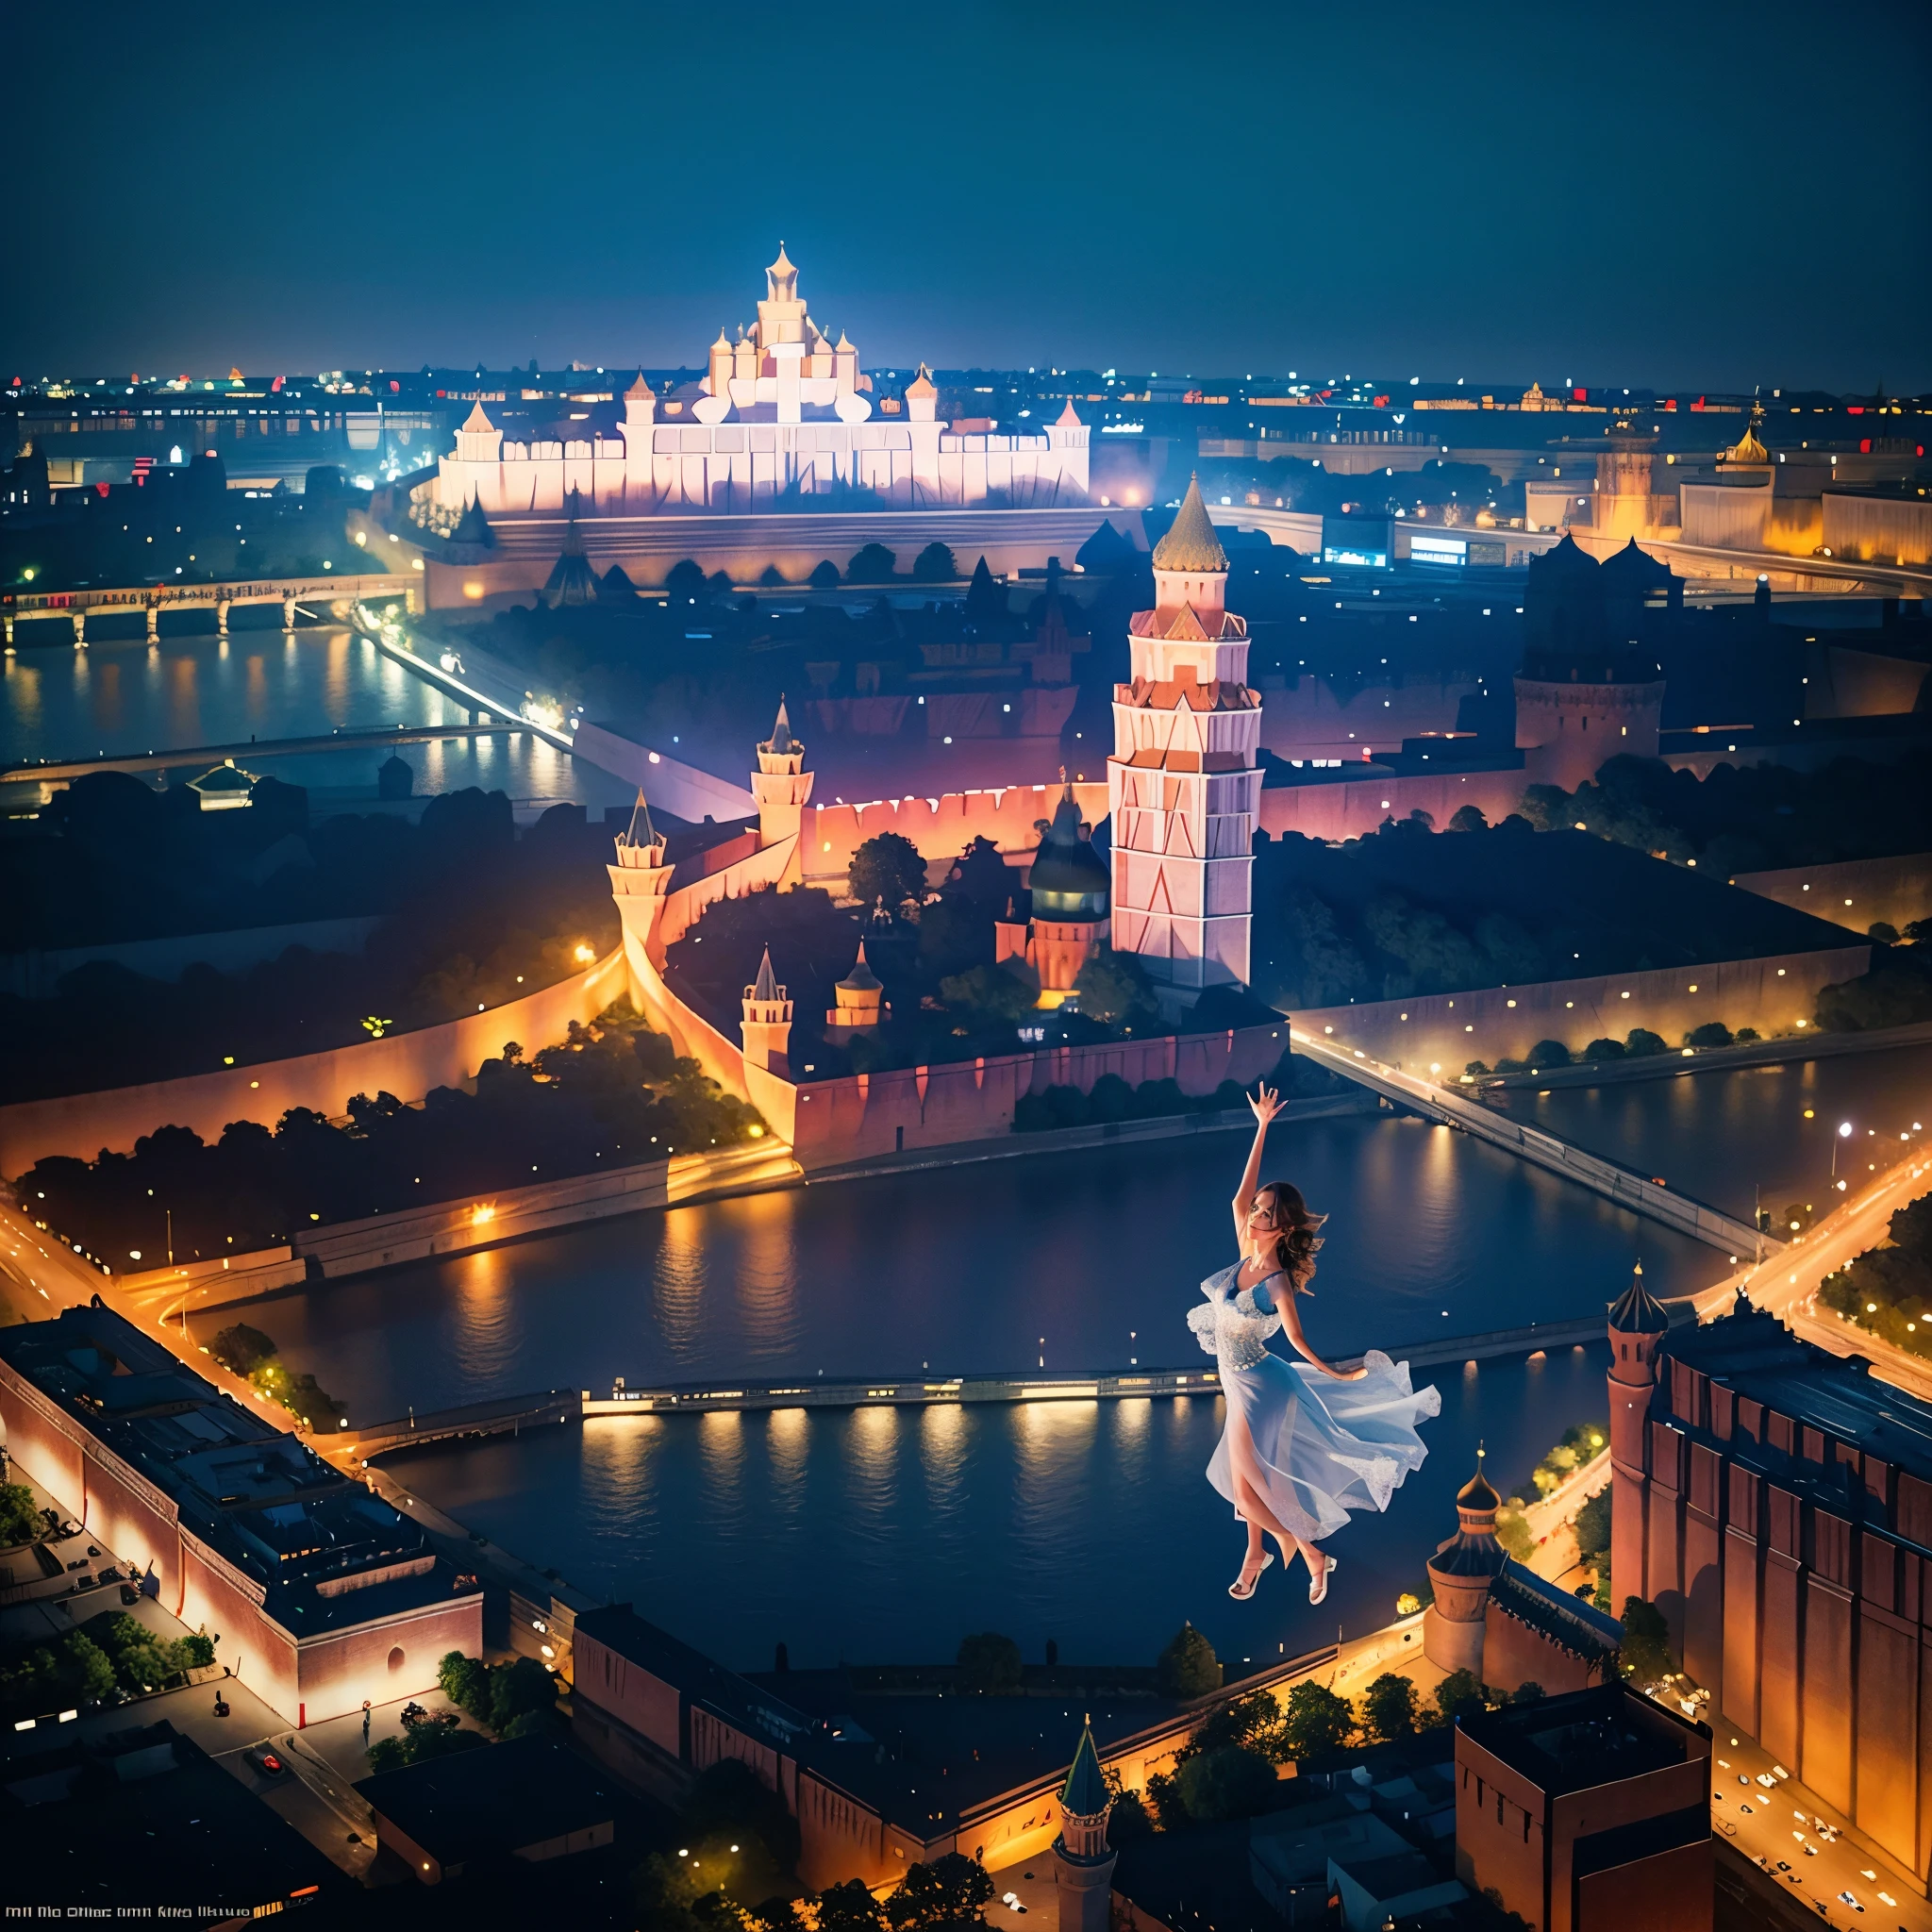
(1704, 193)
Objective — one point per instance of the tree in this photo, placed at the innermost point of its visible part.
(1468, 818)
(521, 1685)
(1646, 1642)
(849, 1907)
(886, 866)
(1232, 1782)
(1317, 1722)
(951, 1890)
(1128, 1820)
(991, 992)
(771, 578)
(1528, 1692)
(990, 1664)
(934, 565)
(981, 875)
(685, 583)
(873, 564)
(1602, 1049)
(824, 574)
(728, 1800)
(1712, 1033)
(1458, 1692)
(1549, 1052)
(1389, 1706)
(985, 602)
(1642, 1044)
(1188, 1667)
(19, 1515)
(91, 1669)
(1593, 1531)
(1113, 989)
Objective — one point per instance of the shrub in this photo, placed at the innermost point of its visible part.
(1113, 989)
(1388, 1708)
(1232, 1782)
(1512, 1532)
(521, 1685)
(19, 1515)
(849, 1907)
(1747, 1034)
(1154, 1099)
(1641, 1043)
(1110, 1099)
(1593, 1531)
(1188, 1667)
(1477, 1069)
(729, 1801)
(934, 565)
(1528, 1692)
(990, 992)
(824, 576)
(873, 564)
(1891, 994)
(1128, 1820)
(1549, 1052)
(951, 1890)
(1712, 1033)
(1602, 1049)
(990, 1664)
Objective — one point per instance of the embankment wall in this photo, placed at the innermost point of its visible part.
(1446, 1031)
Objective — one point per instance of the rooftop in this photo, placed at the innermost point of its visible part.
(1584, 1737)
(1754, 1353)
(500, 1799)
(258, 1494)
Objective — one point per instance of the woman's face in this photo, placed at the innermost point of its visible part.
(1263, 1221)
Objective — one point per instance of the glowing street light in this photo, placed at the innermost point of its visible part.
(1844, 1133)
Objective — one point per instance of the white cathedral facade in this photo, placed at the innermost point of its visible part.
(782, 413)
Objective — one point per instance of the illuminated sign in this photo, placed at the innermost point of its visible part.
(1374, 560)
(1453, 550)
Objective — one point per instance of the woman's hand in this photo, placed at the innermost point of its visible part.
(1347, 1375)
(1265, 1102)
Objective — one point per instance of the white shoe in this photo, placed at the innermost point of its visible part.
(1318, 1587)
(1235, 1589)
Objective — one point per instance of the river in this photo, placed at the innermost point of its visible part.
(128, 695)
(884, 1535)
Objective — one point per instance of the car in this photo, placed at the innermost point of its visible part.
(1784, 1864)
(1845, 1898)
(267, 1761)
(1810, 1851)
(1765, 1778)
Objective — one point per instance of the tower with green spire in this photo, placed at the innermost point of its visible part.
(1083, 1859)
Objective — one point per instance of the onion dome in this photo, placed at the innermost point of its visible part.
(922, 384)
(1748, 449)
(1069, 879)
(1190, 544)
(1632, 570)
(1477, 1493)
(1637, 1312)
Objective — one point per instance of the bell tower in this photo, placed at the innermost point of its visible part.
(1083, 1861)
(639, 880)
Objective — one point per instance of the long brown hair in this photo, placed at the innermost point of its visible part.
(1299, 1239)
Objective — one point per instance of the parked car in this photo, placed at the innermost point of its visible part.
(267, 1761)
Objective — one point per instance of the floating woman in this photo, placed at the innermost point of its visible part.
(1303, 1446)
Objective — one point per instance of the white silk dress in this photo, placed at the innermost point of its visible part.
(1321, 1447)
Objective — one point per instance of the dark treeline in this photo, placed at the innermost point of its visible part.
(613, 1096)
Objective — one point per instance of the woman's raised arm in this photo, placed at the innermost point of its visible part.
(1265, 1103)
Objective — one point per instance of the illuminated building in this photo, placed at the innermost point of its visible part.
(859, 1003)
(782, 413)
(1082, 1858)
(321, 1594)
(1774, 1502)
(1183, 785)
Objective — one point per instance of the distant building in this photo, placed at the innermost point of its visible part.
(781, 414)
(1587, 1813)
(1774, 1502)
(320, 1592)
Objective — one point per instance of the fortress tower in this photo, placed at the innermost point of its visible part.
(1083, 1861)
(1638, 1327)
(1461, 1573)
(638, 882)
(859, 998)
(1182, 783)
(782, 786)
(767, 1025)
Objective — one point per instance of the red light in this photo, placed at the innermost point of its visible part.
(395, 388)
(1579, 396)
(1864, 446)
(1855, 408)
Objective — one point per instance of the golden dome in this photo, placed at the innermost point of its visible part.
(1748, 449)
(1190, 544)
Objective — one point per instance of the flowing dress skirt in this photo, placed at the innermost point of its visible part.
(1321, 1447)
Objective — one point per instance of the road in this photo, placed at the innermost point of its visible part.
(1776, 1827)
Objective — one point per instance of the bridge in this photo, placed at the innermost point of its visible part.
(509, 1416)
(254, 748)
(289, 592)
(1654, 1202)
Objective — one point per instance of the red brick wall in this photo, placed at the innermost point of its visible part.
(44, 1443)
(1579, 1814)
(1825, 1759)
(1888, 1732)
(335, 1673)
(839, 1839)
(629, 1692)
(1501, 1853)
(1513, 1654)
(133, 1519)
(1673, 1891)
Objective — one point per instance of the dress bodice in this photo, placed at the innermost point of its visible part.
(1234, 1325)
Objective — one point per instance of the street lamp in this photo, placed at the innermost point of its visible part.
(1844, 1133)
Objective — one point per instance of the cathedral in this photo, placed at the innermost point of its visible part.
(782, 413)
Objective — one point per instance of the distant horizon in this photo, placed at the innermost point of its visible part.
(1733, 194)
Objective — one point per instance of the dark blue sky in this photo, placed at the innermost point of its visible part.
(1704, 193)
